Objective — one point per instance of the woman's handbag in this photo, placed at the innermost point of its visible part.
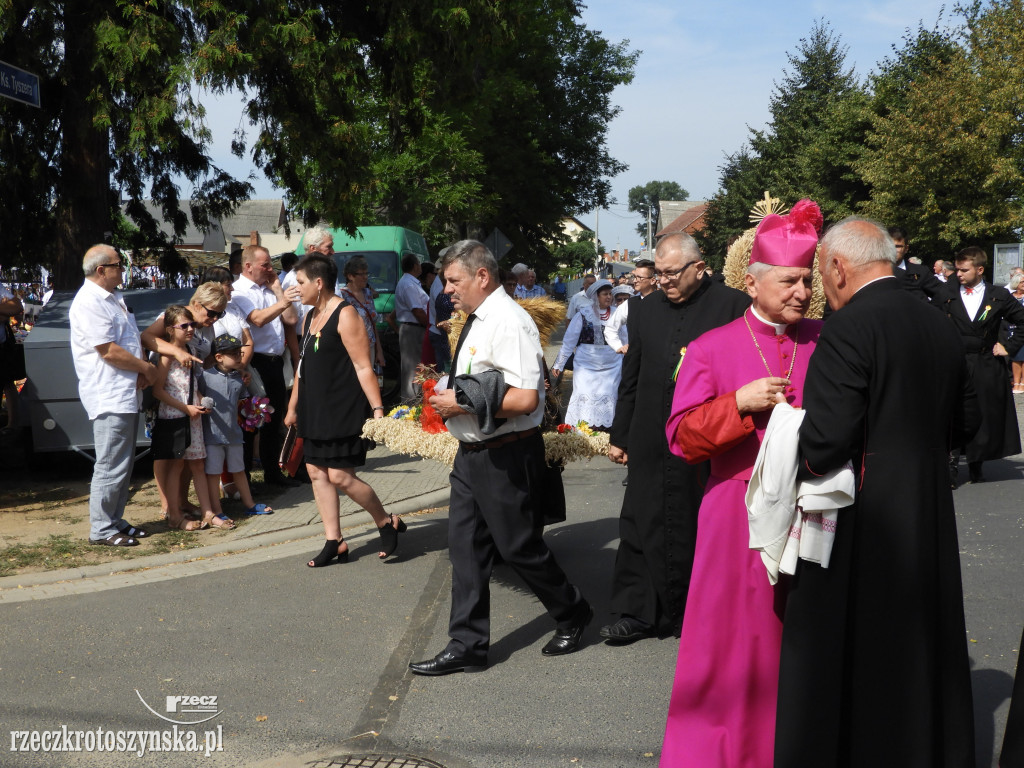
(291, 452)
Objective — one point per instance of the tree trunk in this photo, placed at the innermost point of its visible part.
(83, 193)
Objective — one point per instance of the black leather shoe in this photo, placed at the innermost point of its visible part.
(626, 630)
(447, 662)
(567, 639)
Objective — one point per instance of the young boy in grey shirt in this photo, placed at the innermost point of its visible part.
(222, 430)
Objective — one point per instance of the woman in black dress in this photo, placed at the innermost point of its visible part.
(334, 364)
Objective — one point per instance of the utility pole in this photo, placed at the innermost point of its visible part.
(650, 245)
(597, 238)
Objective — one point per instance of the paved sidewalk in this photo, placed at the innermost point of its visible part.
(405, 485)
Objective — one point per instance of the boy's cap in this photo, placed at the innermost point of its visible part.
(226, 343)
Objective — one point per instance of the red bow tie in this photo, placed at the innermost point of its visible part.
(968, 291)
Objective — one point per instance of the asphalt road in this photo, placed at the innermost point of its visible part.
(310, 665)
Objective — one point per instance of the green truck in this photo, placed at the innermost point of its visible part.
(383, 248)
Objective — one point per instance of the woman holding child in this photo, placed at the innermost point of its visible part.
(334, 365)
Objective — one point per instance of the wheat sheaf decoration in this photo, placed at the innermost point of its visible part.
(738, 257)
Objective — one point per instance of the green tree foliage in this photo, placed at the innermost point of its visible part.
(450, 116)
(116, 115)
(728, 211)
(647, 198)
(577, 256)
(808, 149)
(944, 157)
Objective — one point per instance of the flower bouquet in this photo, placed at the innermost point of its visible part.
(254, 412)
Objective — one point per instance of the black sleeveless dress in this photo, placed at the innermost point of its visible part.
(332, 407)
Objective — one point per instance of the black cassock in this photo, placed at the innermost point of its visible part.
(658, 522)
(874, 666)
(998, 435)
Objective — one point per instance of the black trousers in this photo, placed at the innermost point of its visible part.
(493, 510)
(271, 371)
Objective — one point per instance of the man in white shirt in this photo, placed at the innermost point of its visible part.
(111, 368)
(579, 299)
(411, 314)
(267, 307)
(644, 283)
(495, 483)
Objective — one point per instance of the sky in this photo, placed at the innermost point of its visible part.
(704, 78)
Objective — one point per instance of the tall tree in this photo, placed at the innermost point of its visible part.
(452, 116)
(646, 199)
(116, 114)
(816, 128)
(943, 156)
(809, 147)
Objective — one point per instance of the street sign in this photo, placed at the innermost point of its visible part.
(497, 243)
(19, 85)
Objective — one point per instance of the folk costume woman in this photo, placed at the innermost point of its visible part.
(597, 369)
(722, 711)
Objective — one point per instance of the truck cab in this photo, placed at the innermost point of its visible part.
(383, 248)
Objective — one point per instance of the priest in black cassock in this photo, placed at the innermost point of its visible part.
(977, 310)
(874, 666)
(658, 521)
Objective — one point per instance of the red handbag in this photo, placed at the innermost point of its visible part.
(291, 452)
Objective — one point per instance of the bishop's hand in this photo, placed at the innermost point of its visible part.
(761, 394)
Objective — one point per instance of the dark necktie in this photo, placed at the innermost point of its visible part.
(458, 346)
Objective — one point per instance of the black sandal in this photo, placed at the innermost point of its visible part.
(389, 535)
(117, 540)
(130, 530)
(328, 553)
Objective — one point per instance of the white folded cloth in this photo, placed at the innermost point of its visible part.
(788, 520)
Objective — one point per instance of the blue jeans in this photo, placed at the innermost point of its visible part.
(114, 436)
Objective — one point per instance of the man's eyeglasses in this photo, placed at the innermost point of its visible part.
(672, 274)
(117, 264)
(213, 314)
(186, 326)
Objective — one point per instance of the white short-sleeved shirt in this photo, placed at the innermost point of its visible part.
(99, 317)
(409, 295)
(575, 302)
(503, 337)
(231, 322)
(288, 279)
(248, 297)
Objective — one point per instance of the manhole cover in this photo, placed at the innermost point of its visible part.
(376, 761)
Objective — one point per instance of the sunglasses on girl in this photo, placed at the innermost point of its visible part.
(186, 326)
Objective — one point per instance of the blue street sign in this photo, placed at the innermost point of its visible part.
(19, 85)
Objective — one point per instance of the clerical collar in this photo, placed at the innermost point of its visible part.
(780, 328)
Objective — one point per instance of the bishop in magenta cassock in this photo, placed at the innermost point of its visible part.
(722, 711)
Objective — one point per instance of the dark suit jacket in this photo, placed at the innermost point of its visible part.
(920, 280)
(998, 435)
(874, 667)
